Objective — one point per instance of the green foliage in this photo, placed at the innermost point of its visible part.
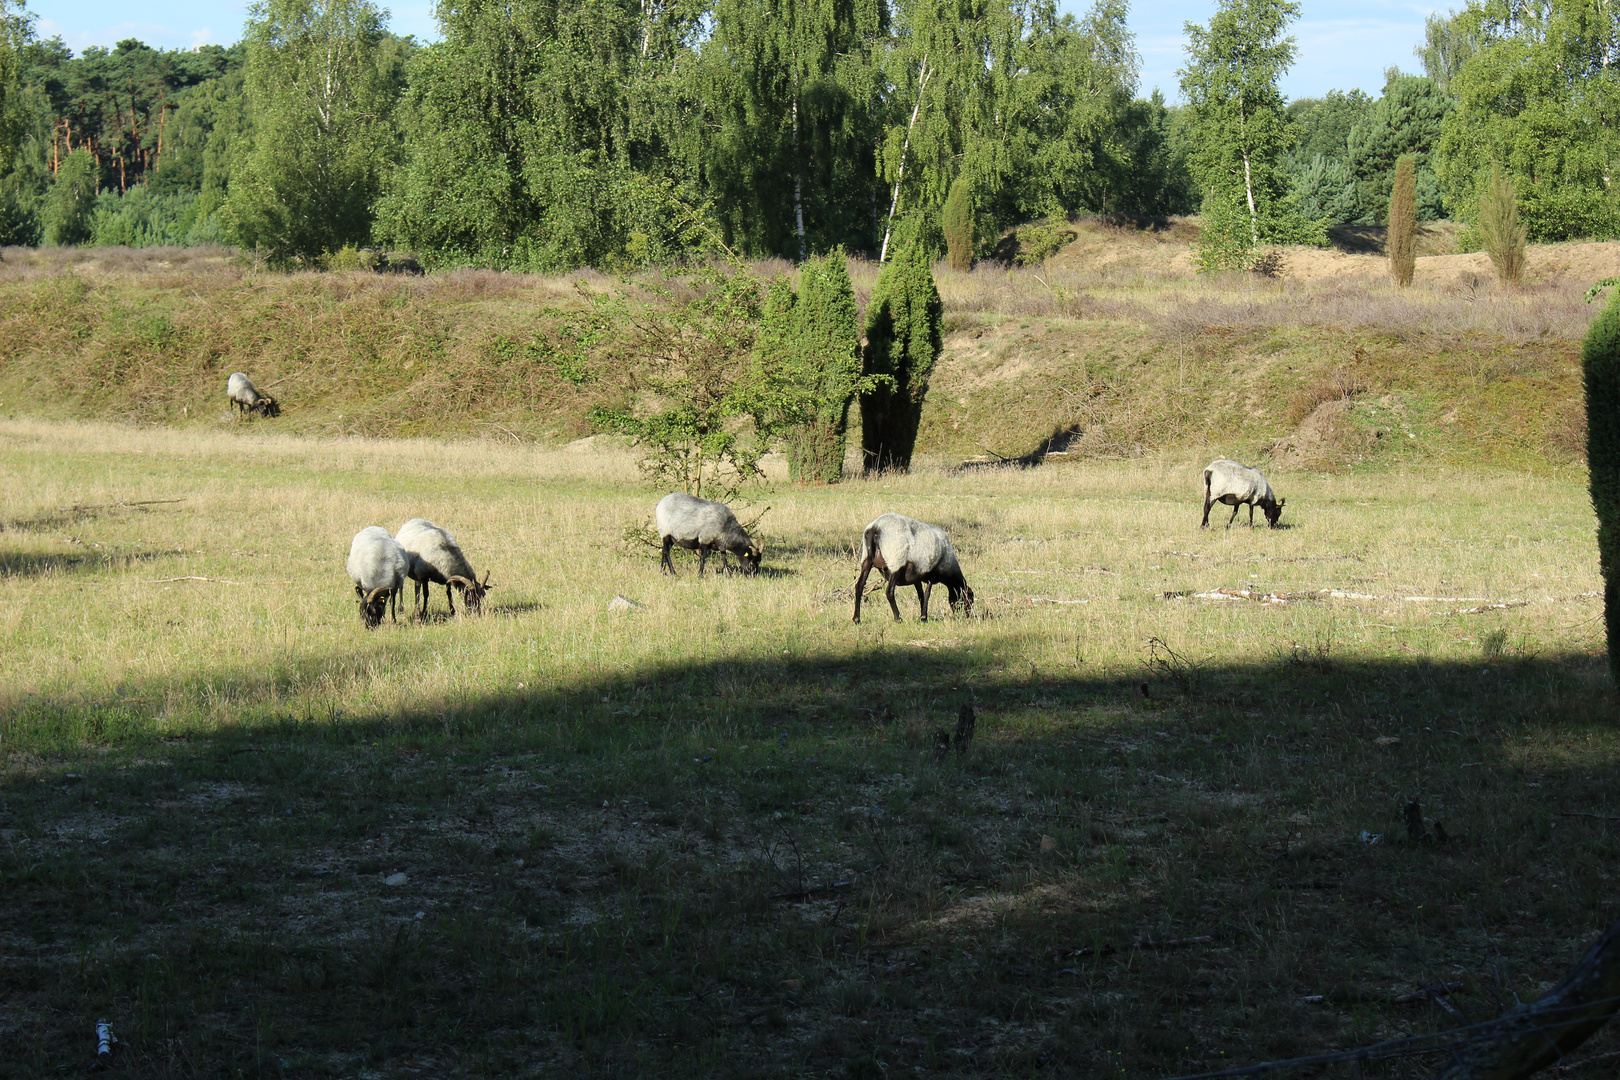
(141, 217)
(1040, 240)
(1536, 94)
(808, 368)
(67, 213)
(1403, 222)
(904, 337)
(958, 224)
(684, 354)
(1226, 242)
(1500, 230)
(1600, 363)
(1238, 126)
(321, 85)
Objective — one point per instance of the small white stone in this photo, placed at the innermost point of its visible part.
(395, 878)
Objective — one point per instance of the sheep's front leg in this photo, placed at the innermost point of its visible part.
(703, 558)
(860, 586)
(449, 598)
(1251, 515)
(1235, 508)
(923, 595)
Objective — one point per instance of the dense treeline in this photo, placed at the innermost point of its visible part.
(548, 134)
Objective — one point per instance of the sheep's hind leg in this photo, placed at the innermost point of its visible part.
(889, 592)
(664, 564)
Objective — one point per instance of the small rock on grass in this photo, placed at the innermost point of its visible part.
(395, 878)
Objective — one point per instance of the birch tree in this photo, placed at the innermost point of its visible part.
(1238, 124)
(320, 89)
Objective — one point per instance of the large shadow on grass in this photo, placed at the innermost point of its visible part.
(179, 869)
(28, 564)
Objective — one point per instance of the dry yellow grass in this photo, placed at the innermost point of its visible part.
(1072, 564)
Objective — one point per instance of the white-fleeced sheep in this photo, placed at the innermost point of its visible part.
(908, 552)
(703, 526)
(1228, 482)
(437, 560)
(378, 567)
(245, 396)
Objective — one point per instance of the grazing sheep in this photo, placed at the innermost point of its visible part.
(378, 567)
(437, 560)
(1233, 484)
(908, 552)
(703, 526)
(245, 396)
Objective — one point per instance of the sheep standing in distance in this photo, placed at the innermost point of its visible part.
(378, 567)
(245, 396)
(703, 526)
(1233, 484)
(908, 552)
(437, 560)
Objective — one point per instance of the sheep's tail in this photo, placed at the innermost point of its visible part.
(869, 544)
(1208, 475)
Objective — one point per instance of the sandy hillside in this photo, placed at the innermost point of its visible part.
(1357, 254)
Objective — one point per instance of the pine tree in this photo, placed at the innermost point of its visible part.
(904, 330)
(1500, 228)
(1403, 221)
(959, 224)
(1600, 359)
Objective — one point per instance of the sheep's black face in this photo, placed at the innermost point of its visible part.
(373, 608)
(965, 595)
(750, 561)
(1273, 511)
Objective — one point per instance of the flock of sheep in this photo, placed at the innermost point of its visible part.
(902, 550)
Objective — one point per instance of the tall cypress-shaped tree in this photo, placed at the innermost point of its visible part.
(826, 366)
(1500, 228)
(959, 224)
(1600, 360)
(1403, 221)
(904, 332)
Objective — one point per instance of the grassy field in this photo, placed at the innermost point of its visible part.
(708, 837)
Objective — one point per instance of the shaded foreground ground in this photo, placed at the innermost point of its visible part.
(710, 837)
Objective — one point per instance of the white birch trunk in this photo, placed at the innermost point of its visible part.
(900, 173)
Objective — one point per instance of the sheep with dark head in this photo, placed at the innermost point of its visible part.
(703, 526)
(378, 567)
(1225, 481)
(437, 560)
(908, 552)
(243, 395)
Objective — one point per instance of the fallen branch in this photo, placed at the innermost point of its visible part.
(817, 890)
(493, 424)
(1166, 943)
(116, 505)
(1598, 817)
(213, 580)
(1531, 1036)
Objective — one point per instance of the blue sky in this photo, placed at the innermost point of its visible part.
(1342, 45)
